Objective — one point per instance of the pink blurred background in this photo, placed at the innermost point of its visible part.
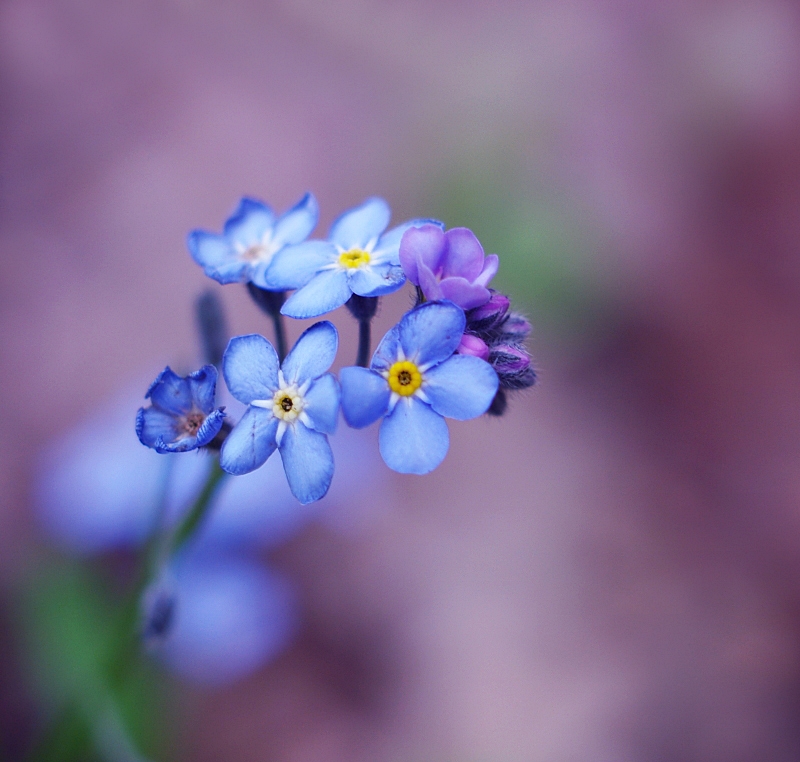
(611, 572)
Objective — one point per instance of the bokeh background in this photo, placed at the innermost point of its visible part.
(611, 572)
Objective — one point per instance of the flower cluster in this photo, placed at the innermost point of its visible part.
(455, 354)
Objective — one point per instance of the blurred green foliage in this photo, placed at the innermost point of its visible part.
(546, 263)
(71, 629)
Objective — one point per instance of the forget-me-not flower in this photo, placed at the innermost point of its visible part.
(291, 407)
(250, 239)
(448, 265)
(415, 381)
(358, 258)
(182, 415)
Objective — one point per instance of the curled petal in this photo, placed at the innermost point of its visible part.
(170, 393)
(463, 256)
(421, 245)
(463, 293)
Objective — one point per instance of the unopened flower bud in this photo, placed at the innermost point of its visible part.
(157, 612)
(513, 366)
(489, 315)
(472, 345)
(516, 328)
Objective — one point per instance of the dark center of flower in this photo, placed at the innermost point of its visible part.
(192, 423)
(404, 377)
(286, 403)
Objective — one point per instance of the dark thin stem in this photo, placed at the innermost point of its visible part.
(363, 309)
(271, 302)
(280, 336)
(364, 342)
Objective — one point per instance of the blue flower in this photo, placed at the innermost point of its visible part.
(182, 415)
(358, 258)
(250, 239)
(414, 381)
(291, 408)
(214, 617)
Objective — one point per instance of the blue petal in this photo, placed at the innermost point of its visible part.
(210, 427)
(431, 333)
(365, 396)
(296, 224)
(413, 438)
(170, 393)
(235, 271)
(249, 222)
(389, 243)
(388, 350)
(323, 293)
(376, 281)
(202, 386)
(185, 444)
(322, 404)
(462, 387)
(209, 249)
(250, 366)
(358, 226)
(307, 461)
(250, 443)
(313, 353)
(231, 616)
(154, 426)
(294, 266)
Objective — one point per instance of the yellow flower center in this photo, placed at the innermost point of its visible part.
(354, 258)
(404, 378)
(287, 404)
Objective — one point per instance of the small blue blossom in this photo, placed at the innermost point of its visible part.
(413, 383)
(182, 415)
(291, 407)
(358, 258)
(250, 239)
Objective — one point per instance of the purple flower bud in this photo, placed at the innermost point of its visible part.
(448, 265)
(516, 327)
(513, 366)
(489, 315)
(472, 345)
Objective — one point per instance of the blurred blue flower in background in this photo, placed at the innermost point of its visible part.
(251, 237)
(98, 489)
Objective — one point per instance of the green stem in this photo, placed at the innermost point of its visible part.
(199, 510)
